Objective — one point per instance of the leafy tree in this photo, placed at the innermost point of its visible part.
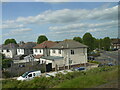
(7, 41)
(106, 43)
(88, 40)
(78, 39)
(101, 43)
(2, 56)
(96, 43)
(6, 63)
(41, 39)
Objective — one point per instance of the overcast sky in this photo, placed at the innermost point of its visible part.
(58, 21)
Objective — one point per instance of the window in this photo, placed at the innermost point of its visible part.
(18, 50)
(72, 52)
(53, 51)
(40, 51)
(7, 50)
(35, 50)
(22, 50)
(59, 51)
(30, 75)
(2, 50)
(33, 74)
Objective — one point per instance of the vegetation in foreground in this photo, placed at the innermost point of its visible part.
(88, 79)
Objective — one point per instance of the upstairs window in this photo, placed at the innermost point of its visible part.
(40, 51)
(72, 52)
(7, 50)
(18, 50)
(35, 50)
(53, 51)
(59, 51)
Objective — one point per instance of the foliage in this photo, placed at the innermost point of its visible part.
(41, 39)
(7, 41)
(2, 56)
(75, 79)
(6, 63)
(107, 43)
(93, 78)
(90, 61)
(6, 74)
(88, 40)
(78, 39)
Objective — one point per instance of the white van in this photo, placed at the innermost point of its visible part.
(29, 75)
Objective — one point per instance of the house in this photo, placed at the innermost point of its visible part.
(43, 49)
(115, 42)
(9, 50)
(66, 53)
(26, 49)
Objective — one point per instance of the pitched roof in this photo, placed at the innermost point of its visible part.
(9, 46)
(115, 41)
(69, 44)
(45, 44)
(28, 45)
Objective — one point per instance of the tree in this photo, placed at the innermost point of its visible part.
(6, 63)
(7, 41)
(89, 41)
(96, 43)
(106, 43)
(41, 39)
(78, 39)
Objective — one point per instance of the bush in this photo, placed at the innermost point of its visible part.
(6, 74)
(6, 63)
(93, 62)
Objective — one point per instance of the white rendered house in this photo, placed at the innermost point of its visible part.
(9, 50)
(67, 53)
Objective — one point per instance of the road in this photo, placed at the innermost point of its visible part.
(108, 56)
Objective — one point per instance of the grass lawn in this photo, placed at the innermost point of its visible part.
(90, 80)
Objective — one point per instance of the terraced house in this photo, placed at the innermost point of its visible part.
(9, 50)
(42, 49)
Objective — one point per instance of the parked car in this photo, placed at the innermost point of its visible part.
(79, 69)
(110, 64)
(106, 64)
(114, 49)
(29, 75)
(91, 58)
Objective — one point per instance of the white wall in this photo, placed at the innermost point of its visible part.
(37, 51)
(79, 56)
(8, 54)
(60, 63)
(20, 51)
